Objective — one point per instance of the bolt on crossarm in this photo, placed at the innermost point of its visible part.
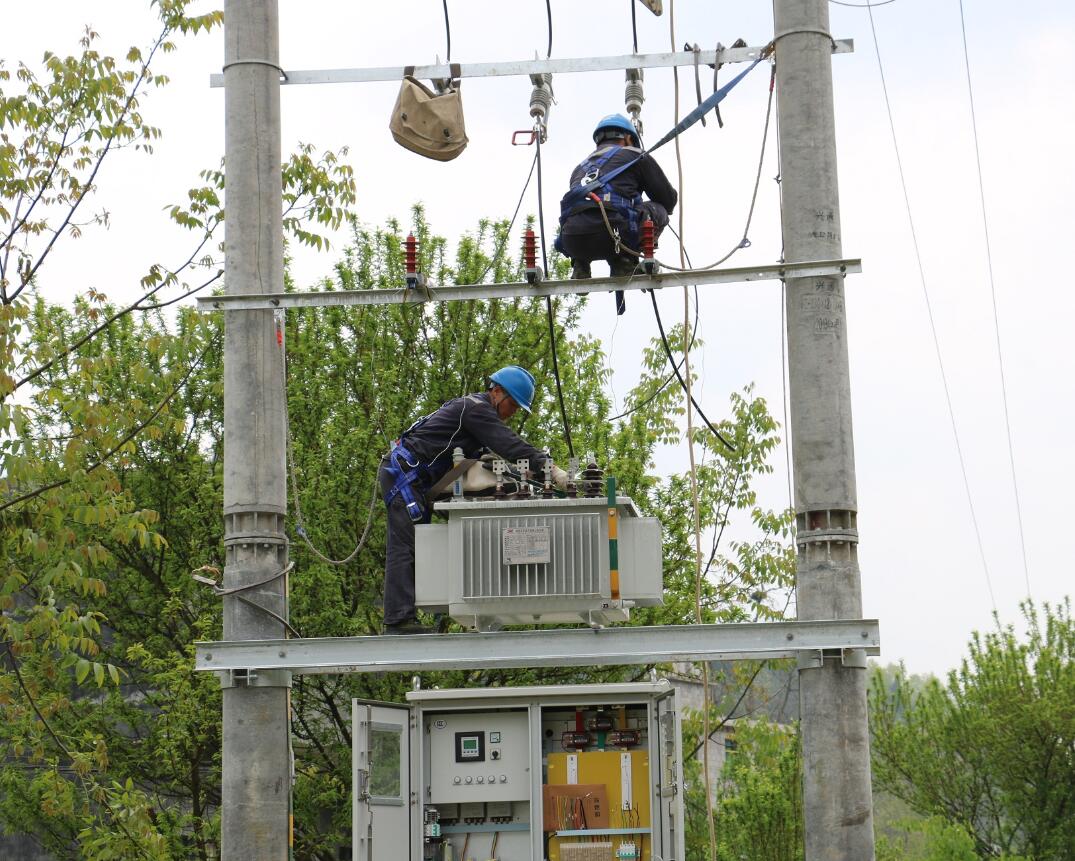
(836, 782)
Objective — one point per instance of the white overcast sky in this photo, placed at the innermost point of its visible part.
(922, 572)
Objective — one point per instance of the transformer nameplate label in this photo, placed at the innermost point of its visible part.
(527, 545)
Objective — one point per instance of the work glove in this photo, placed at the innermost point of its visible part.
(559, 477)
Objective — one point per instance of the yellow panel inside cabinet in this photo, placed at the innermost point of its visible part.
(626, 778)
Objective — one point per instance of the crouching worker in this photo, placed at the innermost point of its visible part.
(423, 454)
(618, 172)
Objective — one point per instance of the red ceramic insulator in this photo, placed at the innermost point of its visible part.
(411, 254)
(530, 248)
(649, 242)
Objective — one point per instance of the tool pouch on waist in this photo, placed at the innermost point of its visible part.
(427, 122)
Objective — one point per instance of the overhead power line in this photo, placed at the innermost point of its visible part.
(929, 312)
(993, 295)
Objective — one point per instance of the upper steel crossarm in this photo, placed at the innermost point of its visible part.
(512, 68)
(562, 647)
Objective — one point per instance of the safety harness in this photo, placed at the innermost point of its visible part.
(579, 197)
(411, 478)
(406, 472)
(595, 185)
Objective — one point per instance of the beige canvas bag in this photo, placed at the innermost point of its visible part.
(429, 123)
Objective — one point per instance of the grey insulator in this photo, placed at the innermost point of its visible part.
(540, 101)
(541, 95)
(633, 97)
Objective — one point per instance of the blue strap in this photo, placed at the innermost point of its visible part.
(705, 107)
(405, 475)
(577, 195)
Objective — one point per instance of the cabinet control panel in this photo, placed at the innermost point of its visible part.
(478, 756)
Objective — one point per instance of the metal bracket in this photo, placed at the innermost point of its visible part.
(251, 678)
(814, 659)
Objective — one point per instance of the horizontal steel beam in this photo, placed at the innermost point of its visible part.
(565, 65)
(523, 289)
(562, 647)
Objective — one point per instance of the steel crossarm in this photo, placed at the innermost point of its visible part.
(561, 647)
(523, 289)
(515, 68)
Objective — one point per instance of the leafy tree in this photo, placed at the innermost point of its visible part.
(90, 402)
(990, 751)
(759, 797)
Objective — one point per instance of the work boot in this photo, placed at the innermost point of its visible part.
(622, 267)
(408, 626)
(580, 270)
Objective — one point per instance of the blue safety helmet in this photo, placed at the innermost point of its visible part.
(618, 122)
(517, 382)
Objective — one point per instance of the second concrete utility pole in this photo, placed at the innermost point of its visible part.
(835, 735)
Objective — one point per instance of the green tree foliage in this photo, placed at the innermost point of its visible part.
(990, 751)
(759, 797)
(107, 748)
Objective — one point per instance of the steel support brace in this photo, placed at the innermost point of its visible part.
(563, 647)
(518, 68)
(523, 289)
(255, 679)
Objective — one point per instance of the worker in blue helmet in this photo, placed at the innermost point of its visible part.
(423, 454)
(584, 236)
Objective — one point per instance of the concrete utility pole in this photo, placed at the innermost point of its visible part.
(256, 751)
(836, 744)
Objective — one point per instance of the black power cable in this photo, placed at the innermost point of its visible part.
(548, 14)
(548, 299)
(679, 376)
(447, 32)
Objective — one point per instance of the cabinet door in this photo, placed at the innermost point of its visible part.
(381, 782)
(670, 785)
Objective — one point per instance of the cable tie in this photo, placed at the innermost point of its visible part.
(254, 62)
(772, 45)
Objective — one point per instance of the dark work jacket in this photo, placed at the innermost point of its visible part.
(645, 177)
(470, 423)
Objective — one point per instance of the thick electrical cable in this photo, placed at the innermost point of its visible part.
(447, 32)
(993, 296)
(679, 376)
(300, 523)
(548, 305)
(548, 17)
(929, 314)
(634, 26)
(667, 380)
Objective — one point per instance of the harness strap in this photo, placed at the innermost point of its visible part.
(404, 476)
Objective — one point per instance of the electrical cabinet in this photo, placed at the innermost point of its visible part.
(544, 773)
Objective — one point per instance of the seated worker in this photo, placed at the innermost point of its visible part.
(584, 236)
(423, 454)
